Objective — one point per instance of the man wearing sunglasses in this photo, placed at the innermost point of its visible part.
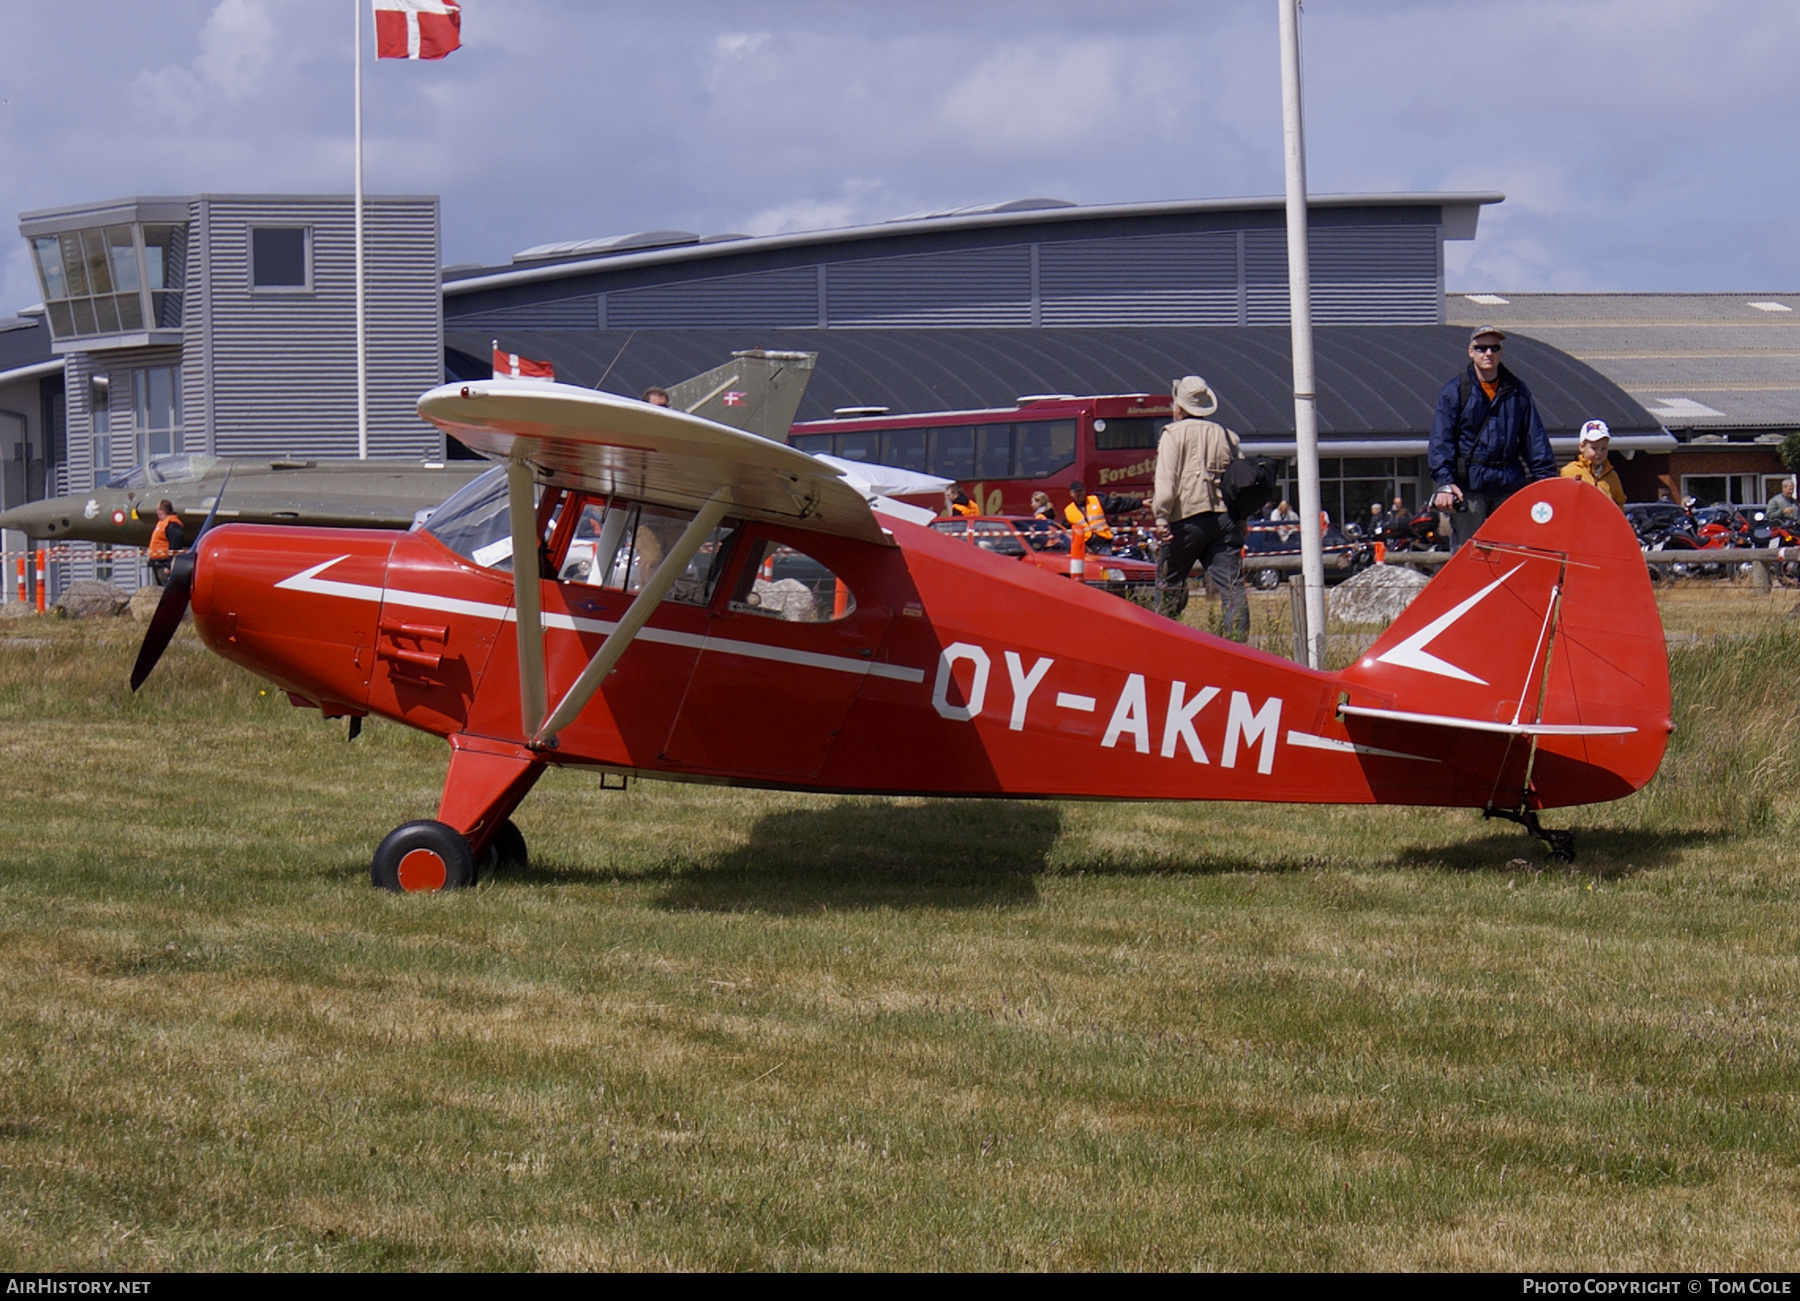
(1487, 441)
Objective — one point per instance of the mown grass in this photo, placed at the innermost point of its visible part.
(713, 1028)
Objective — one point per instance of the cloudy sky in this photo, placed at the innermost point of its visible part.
(1642, 145)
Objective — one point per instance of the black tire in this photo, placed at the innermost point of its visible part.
(422, 856)
(506, 852)
(1266, 580)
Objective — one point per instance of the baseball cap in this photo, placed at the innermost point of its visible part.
(1593, 431)
(1486, 329)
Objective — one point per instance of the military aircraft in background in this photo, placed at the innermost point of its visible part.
(757, 390)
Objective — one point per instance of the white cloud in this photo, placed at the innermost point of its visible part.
(739, 45)
(236, 44)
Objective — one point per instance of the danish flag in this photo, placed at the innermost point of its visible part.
(417, 29)
(510, 365)
(733, 399)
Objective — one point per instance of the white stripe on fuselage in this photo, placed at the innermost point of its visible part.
(1308, 741)
(308, 580)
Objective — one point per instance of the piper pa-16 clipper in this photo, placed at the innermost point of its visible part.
(699, 603)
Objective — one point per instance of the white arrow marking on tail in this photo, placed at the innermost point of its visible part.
(1411, 653)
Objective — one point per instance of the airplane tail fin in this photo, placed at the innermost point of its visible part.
(1534, 662)
(758, 390)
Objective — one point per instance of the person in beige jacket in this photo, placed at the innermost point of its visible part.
(1192, 524)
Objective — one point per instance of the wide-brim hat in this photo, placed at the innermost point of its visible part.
(1194, 396)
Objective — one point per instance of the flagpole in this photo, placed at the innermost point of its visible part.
(362, 342)
(1306, 401)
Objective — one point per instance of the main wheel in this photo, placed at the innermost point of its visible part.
(422, 855)
(506, 852)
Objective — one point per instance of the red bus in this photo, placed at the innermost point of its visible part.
(1001, 456)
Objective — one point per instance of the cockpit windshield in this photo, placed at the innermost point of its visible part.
(164, 469)
(475, 522)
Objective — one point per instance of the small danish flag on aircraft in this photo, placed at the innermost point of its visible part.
(734, 399)
(510, 365)
(417, 29)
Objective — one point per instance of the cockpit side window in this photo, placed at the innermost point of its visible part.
(780, 582)
(620, 544)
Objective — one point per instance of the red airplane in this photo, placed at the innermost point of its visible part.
(710, 605)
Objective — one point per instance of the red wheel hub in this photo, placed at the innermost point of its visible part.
(422, 869)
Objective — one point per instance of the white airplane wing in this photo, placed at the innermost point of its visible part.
(581, 438)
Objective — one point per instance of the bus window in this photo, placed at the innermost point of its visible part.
(1124, 432)
(813, 444)
(953, 452)
(1045, 446)
(864, 446)
(993, 451)
(779, 582)
(904, 449)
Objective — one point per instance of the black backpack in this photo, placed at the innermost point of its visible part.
(1247, 485)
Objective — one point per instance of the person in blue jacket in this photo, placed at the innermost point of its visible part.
(1487, 441)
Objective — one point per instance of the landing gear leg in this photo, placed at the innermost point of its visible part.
(1561, 843)
(486, 781)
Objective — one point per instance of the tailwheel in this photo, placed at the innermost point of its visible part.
(422, 856)
(1560, 843)
(506, 852)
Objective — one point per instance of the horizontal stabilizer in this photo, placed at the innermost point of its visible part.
(580, 438)
(1477, 725)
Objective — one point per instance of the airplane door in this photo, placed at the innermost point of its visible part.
(787, 649)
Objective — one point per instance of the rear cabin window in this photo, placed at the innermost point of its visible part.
(780, 582)
(621, 544)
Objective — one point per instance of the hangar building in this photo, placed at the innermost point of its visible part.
(976, 307)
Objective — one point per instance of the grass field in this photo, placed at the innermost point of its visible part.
(717, 1029)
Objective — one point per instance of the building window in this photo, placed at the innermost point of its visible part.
(1722, 489)
(278, 257)
(91, 281)
(165, 266)
(102, 425)
(156, 396)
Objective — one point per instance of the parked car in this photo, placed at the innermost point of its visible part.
(1343, 557)
(1045, 544)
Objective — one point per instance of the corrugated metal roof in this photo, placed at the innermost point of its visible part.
(1695, 361)
(24, 341)
(1374, 381)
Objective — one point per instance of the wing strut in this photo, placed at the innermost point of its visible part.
(528, 600)
(673, 566)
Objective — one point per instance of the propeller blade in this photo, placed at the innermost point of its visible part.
(175, 598)
(212, 514)
(167, 618)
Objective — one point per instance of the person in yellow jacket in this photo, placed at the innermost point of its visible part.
(1086, 513)
(1590, 464)
(169, 536)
